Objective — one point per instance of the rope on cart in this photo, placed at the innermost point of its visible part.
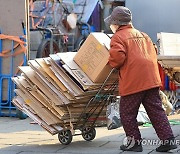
(70, 123)
(19, 43)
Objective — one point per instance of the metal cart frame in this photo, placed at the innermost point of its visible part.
(103, 97)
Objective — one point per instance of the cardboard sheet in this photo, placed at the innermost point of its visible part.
(71, 67)
(36, 93)
(44, 78)
(58, 91)
(43, 63)
(42, 112)
(31, 75)
(52, 130)
(63, 77)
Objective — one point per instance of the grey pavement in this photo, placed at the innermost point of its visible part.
(21, 137)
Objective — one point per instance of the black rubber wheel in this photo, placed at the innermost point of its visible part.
(65, 137)
(89, 133)
(44, 48)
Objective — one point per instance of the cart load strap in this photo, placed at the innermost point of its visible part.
(70, 123)
(7, 53)
(20, 43)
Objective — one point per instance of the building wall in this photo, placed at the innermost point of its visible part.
(155, 16)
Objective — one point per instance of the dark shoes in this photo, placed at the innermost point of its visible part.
(168, 145)
(136, 148)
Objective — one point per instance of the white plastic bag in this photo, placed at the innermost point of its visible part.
(72, 20)
(112, 114)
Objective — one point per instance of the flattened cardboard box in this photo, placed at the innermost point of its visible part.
(50, 128)
(93, 56)
(72, 68)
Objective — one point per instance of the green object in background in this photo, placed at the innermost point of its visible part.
(74, 1)
(172, 122)
(147, 125)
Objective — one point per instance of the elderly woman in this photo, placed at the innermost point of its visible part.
(133, 54)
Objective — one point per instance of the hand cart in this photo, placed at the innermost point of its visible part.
(87, 120)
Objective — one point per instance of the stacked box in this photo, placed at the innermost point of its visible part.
(58, 94)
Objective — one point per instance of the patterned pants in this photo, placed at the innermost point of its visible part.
(129, 106)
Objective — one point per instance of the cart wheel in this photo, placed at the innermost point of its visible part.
(65, 137)
(44, 48)
(89, 133)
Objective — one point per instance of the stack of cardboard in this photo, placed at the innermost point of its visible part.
(55, 91)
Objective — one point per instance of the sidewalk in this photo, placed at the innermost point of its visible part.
(21, 137)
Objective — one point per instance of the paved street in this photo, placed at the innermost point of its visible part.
(22, 137)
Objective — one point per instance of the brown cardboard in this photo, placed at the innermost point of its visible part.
(44, 78)
(93, 56)
(72, 68)
(36, 93)
(39, 90)
(53, 79)
(64, 77)
(31, 75)
(75, 71)
(53, 129)
(45, 66)
(40, 110)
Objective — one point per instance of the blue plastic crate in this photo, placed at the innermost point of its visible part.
(6, 95)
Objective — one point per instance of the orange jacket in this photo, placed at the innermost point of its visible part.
(133, 53)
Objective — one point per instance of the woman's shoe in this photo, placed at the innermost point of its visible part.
(169, 144)
(136, 148)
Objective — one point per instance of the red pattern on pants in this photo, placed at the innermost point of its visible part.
(129, 106)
